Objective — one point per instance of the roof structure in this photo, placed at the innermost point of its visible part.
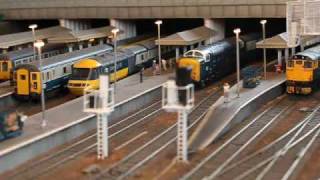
(187, 37)
(16, 39)
(83, 35)
(280, 41)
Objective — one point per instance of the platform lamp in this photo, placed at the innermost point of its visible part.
(237, 32)
(33, 27)
(263, 23)
(39, 44)
(158, 23)
(115, 32)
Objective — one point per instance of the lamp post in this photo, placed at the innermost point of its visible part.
(237, 32)
(263, 23)
(158, 23)
(114, 32)
(33, 27)
(39, 44)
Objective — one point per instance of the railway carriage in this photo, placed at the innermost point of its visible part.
(55, 72)
(214, 61)
(12, 59)
(303, 71)
(130, 59)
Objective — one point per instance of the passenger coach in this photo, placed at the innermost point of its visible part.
(55, 72)
(12, 59)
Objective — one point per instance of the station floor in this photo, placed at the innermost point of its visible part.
(5, 88)
(72, 111)
(220, 114)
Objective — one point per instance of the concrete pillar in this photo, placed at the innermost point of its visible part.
(4, 51)
(286, 55)
(293, 51)
(127, 27)
(177, 53)
(70, 47)
(184, 49)
(218, 26)
(301, 48)
(279, 57)
(75, 25)
(101, 41)
(192, 47)
(80, 45)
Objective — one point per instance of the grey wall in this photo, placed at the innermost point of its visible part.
(128, 9)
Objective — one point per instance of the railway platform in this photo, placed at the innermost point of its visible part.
(68, 121)
(222, 116)
(5, 88)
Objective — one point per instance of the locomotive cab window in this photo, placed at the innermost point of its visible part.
(34, 77)
(298, 62)
(290, 63)
(23, 77)
(307, 64)
(4, 66)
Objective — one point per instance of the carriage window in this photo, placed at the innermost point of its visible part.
(48, 75)
(4, 66)
(64, 70)
(34, 77)
(142, 56)
(307, 64)
(197, 54)
(299, 62)
(23, 77)
(290, 63)
(53, 73)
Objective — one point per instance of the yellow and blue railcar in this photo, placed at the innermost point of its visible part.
(85, 73)
(54, 71)
(216, 60)
(303, 71)
(10, 60)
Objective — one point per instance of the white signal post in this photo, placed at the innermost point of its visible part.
(114, 32)
(158, 23)
(263, 23)
(170, 102)
(33, 27)
(39, 44)
(101, 102)
(237, 32)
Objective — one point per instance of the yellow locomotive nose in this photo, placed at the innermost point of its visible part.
(194, 64)
(77, 87)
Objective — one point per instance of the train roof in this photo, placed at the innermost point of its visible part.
(17, 54)
(108, 58)
(312, 53)
(220, 46)
(71, 56)
(135, 49)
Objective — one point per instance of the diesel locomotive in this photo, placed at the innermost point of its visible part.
(216, 60)
(303, 71)
(85, 73)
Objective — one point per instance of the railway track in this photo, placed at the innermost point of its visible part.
(86, 145)
(239, 143)
(138, 158)
(281, 157)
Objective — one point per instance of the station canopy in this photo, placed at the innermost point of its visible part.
(16, 39)
(280, 41)
(188, 37)
(82, 35)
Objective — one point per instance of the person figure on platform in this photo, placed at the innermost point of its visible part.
(226, 92)
(164, 64)
(141, 74)
(154, 67)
